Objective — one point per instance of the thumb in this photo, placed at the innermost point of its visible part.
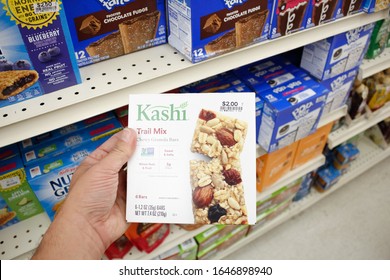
(121, 152)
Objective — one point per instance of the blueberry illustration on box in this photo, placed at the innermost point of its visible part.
(36, 52)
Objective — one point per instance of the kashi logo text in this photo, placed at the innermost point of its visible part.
(111, 4)
(231, 3)
(162, 113)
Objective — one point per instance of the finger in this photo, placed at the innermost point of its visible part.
(121, 152)
(96, 156)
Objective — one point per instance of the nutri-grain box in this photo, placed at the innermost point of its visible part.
(16, 191)
(60, 145)
(36, 52)
(50, 179)
(104, 29)
(200, 30)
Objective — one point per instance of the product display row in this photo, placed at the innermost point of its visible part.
(45, 62)
(77, 138)
(283, 87)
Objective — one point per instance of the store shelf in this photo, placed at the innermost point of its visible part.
(292, 176)
(333, 116)
(346, 132)
(28, 233)
(20, 239)
(107, 84)
(370, 67)
(370, 155)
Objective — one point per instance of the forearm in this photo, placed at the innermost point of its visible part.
(69, 238)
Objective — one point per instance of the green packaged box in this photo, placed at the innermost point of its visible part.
(16, 191)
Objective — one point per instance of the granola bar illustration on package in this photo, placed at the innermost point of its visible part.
(217, 190)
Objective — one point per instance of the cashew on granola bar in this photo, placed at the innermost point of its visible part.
(217, 189)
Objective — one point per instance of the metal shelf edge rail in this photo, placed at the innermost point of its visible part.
(345, 132)
(370, 67)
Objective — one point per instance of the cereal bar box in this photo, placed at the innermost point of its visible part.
(104, 29)
(288, 16)
(338, 54)
(201, 31)
(195, 159)
(17, 192)
(36, 52)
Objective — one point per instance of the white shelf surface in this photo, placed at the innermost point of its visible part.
(106, 85)
(346, 132)
(23, 237)
(370, 155)
(370, 67)
(333, 116)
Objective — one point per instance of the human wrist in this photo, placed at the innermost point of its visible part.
(70, 236)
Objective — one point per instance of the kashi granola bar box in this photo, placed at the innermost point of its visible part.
(36, 52)
(195, 159)
(201, 31)
(104, 29)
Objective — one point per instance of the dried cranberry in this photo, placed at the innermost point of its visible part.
(232, 176)
(207, 115)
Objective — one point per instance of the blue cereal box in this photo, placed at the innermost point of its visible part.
(36, 52)
(202, 30)
(213, 84)
(104, 29)
(50, 179)
(326, 178)
(346, 153)
(288, 16)
(335, 55)
(65, 130)
(63, 144)
(322, 11)
(269, 78)
(339, 88)
(290, 112)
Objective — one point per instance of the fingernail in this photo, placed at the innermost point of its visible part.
(128, 135)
